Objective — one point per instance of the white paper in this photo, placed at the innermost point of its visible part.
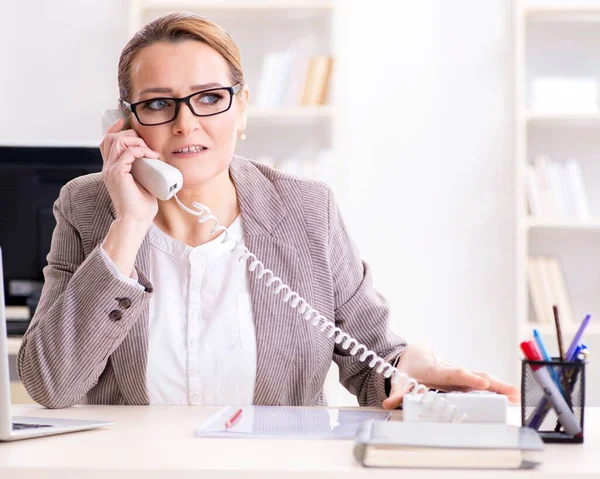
(288, 422)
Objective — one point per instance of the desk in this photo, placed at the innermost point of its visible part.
(153, 442)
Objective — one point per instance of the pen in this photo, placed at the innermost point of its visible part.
(577, 338)
(546, 356)
(561, 351)
(576, 352)
(565, 416)
(233, 419)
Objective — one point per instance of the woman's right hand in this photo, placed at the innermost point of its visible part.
(120, 148)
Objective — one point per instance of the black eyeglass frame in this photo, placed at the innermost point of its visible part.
(132, 107)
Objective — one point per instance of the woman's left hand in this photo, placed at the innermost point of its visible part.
(428, 367)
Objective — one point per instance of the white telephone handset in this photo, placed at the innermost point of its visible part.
(159, 178)
(164, 181)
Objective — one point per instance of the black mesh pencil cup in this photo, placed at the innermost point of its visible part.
(536, 409)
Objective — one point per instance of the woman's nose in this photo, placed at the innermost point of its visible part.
(186, 122)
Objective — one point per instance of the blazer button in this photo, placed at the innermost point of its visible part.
(125, 303)
(115, 315)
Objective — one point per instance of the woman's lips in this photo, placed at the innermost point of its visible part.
(189, 153)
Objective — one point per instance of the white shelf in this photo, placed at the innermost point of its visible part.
(562, 224)
(583, 12)
(235, 5)
(567, 119)
(13, 345)
(291, 113)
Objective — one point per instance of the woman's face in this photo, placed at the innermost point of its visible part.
(178, 70)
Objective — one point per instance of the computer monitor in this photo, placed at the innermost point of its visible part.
(30, 181)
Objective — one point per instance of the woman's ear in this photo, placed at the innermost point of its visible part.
(243, 108)
(244, 95)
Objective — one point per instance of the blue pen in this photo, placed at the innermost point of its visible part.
(546, 356)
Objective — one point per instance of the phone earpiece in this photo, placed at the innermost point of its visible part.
(110, 116)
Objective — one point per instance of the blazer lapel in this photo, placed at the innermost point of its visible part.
(276, 323)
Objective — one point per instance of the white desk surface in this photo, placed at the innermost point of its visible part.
(152, 442)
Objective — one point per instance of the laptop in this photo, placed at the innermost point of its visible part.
(15, 428)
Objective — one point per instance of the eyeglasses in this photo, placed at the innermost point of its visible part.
(157, 111)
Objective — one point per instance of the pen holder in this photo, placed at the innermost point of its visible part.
(536, 410)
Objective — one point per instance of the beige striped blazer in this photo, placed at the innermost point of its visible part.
(88, 339)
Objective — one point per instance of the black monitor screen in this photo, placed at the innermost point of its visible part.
(30, 182)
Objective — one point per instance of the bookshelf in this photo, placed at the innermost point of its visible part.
(281, 131)
(564, 224)
(558, 40)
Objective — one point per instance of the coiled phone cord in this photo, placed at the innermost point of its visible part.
(294, 300)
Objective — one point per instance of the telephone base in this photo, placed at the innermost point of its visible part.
(479, 407)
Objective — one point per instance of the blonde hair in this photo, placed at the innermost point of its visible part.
(175, 28)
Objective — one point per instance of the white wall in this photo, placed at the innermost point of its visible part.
(59, 68)
(428, 110)
(425, 101)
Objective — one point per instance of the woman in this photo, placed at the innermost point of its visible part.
(144, 305)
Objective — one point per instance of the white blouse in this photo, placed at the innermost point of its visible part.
(202, 343)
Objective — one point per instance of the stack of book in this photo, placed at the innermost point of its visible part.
(292, 78)
(547, 287)
(556, 189)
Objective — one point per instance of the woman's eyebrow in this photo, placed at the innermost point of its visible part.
(170, 90)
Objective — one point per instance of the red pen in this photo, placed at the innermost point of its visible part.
(233, 419)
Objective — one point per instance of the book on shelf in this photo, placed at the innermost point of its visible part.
(555, 189)
(294, 77)
(548, 287)
(317, 79)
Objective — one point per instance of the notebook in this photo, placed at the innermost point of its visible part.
(447, 445)
(288, 422)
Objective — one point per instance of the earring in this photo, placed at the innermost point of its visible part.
(242, 136)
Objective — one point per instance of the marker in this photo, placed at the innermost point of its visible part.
(577, 338)
(565, 416)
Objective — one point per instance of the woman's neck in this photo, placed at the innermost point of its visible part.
(218, 194)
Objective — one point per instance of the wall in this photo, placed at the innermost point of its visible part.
(60, 68)
(427, 111)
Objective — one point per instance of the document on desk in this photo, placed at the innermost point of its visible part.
(287, 422)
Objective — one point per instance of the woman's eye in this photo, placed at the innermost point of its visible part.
(210, 98)
(157, 105)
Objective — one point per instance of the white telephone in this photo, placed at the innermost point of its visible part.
(164, 181)
(158, 177)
